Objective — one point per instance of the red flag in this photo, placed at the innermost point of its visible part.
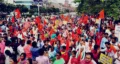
(62, 16)
(78, 31)
(40, 27)
(101, 14)
(59, 37)
(23, 36)
(45, 22)
(15, 33)
(42, 37)
(51, 32)
(85, 19)
(17, 13)
(13, 19)
(66, 18)
(37, 20)
(67, 45)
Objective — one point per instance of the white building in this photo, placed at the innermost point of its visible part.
(23, 2)
(9, 1)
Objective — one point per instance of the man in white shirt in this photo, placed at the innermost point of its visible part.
(20, 48)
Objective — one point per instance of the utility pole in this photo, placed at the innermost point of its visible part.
(38, 9)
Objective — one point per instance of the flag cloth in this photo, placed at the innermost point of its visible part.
(66, 18)
(67, 45)
(101, 14)
(37, 20)
(17, 13)
(62, 16)
(13, 19)
(85, 19)
(45, 22)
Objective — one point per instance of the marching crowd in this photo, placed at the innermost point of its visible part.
(62, 39)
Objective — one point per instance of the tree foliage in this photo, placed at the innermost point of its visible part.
(10, 7)
(111, 7)
(1, 0)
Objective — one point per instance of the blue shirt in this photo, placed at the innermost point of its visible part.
(102, 45)
(35, 52)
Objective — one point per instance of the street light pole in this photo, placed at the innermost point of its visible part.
(38, 9)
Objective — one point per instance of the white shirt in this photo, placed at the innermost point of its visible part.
(8, 48)
(117, 61)
(87, 48)
(7, 60)
(20, 36)
(78, 49)
(108, 31)
(20, 49)
(42, 60)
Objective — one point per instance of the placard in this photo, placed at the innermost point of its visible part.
(104, 59)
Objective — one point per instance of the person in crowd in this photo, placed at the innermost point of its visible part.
(20, 48)
(2, 45)
(110, 49)
(59, 39)
(64, 54)
(59, 59)
(104, 39)
(34, 50)
(52, 53)
(46, 45)
(41, 59)
(73, 59)
(27, 49)
(29, 61)
(96, 53)
(114, 42)
(8, 54)
(88, 59)
(2, 57)
(22, 59)
(89, 45)
(117, 56)
(12, 60)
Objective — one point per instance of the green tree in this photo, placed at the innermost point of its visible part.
(22, 8)
(111, 7)
(1, 0)
(2, 7)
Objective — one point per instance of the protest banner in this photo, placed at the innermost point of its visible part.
(104, 59)
(117, 32)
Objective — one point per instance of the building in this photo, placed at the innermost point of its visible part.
(23, 2)
(9, 1)
(66, 3)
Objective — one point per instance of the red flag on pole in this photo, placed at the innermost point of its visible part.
(101, 14)
(17, 13)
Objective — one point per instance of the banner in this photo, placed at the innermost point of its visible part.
(117, 32)
(104, 59)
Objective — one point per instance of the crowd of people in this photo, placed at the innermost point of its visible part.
(62, 39)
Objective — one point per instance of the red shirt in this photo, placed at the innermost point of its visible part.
(95, 55)
(74, 60)
(27, 51)
(65, 56)
(83, 62)
(98, 38)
